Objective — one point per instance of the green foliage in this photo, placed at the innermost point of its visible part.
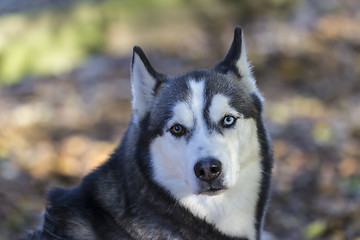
(49, 42)
(315, 229)
(57, 40)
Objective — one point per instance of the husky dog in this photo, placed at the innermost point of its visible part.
(195, 162)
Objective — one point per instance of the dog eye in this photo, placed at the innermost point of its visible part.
(177, 130)
(228, 121)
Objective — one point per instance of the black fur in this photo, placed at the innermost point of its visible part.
(267, 165)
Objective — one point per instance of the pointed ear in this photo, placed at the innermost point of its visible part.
(144, 83)
(236, 62)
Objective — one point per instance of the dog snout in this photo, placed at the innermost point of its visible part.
(207, 170)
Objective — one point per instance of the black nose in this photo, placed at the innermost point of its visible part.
(207, 169)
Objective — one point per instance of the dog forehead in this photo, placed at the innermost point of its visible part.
(199, 88)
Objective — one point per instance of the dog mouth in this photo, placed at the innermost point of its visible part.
(212, 191)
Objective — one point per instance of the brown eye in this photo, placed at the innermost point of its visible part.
(177, 130)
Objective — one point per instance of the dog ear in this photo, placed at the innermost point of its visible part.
(236, 62)
(144, 83)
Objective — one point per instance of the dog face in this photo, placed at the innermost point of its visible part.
(203, 123)
(205, 137)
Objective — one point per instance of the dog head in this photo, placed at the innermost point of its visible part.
(201, 126)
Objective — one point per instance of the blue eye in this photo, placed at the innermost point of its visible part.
(228, 121)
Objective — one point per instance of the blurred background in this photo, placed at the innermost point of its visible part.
(65, 96)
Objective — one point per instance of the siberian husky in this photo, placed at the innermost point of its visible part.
(195, 162)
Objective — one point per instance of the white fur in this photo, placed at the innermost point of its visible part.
(142, 85)
(220, 107)
(244, 68)
(182, 114)
(232, 211)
